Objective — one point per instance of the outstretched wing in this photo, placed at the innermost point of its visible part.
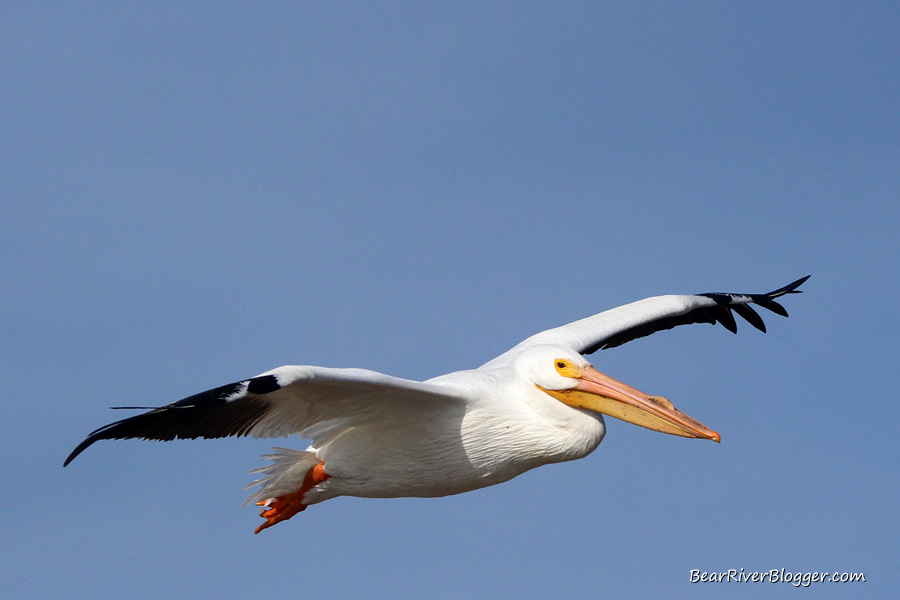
(639, 319)
(284, 401)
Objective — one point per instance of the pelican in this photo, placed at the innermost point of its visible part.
(377, 436)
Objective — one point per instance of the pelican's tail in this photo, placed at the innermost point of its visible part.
(284, 476)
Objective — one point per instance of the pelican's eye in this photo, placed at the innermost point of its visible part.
(566, 368)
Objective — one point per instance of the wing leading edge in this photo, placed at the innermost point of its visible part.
(623, 324)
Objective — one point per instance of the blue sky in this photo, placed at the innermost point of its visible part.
(195, 193)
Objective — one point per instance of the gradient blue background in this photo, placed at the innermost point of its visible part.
(194, 193)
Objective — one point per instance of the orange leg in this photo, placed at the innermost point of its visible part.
(284, 507)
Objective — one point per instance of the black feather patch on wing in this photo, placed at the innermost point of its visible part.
(720, 313)
(229, 410)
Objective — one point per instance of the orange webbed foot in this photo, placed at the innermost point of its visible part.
(284, 507)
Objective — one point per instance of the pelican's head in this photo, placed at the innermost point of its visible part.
(567, 376)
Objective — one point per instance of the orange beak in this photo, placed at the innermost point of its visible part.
(601, 393)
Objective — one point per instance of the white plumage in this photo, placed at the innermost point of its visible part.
(377, 436)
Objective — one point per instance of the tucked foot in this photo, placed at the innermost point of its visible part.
(284, 507)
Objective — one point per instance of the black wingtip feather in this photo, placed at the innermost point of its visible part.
(790, 288)
(771, 305)
(725, 317)
(78, 450)
(750, 315)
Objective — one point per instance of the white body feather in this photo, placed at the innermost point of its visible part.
(429, 449)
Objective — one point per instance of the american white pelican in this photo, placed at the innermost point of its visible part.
(377, 436)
